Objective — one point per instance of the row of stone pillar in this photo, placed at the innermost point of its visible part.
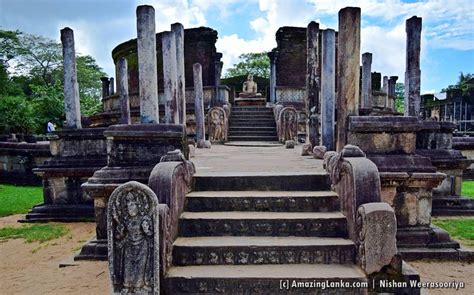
(321, 80)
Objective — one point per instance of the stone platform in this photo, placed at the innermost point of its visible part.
(250, 101)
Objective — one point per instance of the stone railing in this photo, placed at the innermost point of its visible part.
(142, 224)
(371, 223)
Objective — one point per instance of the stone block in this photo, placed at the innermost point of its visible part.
(290, 144)
(378, 228)
(306, 151)
(319, 151)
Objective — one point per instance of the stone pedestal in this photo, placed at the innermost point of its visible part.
(434, 140)
(407, 180)
(77, 154)
(132, 152)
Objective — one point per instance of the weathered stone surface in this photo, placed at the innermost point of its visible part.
(312, 102)
(178, 31)
(134, 239)
(377, 242)
(366, 80)
(306, 150)
(72, 106)
(170, 78)
(328, 88)
(290, 144)
(287, 124)
(412, 67)
(192, 151)
(319, 151)
(123, 91)
(348, 70)
(147, 71)
(291, 61)
(217, 124)
(198, 103)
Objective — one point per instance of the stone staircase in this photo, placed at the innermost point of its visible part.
(252, 123)
(249, 234)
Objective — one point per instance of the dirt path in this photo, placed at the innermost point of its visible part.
(33, 268)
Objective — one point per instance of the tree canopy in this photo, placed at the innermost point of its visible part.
(257, 64)
(462, 83)
(31, 82)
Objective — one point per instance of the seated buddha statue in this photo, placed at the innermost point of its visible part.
(249, 88)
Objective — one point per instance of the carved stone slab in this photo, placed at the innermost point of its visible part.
(133, 240)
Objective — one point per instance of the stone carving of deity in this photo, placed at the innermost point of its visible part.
(289, 124)
(131, 228)
(217, 124)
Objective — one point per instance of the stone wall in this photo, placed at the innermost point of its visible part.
(291, 60)
(18, 159)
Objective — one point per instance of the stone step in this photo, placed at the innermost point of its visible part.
(253, 133)
(247, 116)
(262, 182)
(251, 118)
(252, 138)
(261, 279)
(237, 223)
(275, 201)
(251, 108)
(262, 250)
(253, 128)
(253, 124)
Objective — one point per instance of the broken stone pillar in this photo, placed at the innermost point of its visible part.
(328, 88)
(199, 104)
(392, 81)
(105, 87)
(178, 31)
(385, 90)
(348, 69)
(72, 106)
(123, 91)
(170, 77)
(133, 247)
(312, 82)
(111, 86)
(147, 71)
(412, 67)
(376, 78)
(366, 102)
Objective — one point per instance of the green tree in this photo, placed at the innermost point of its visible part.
(400, 97)
(257, 64)
(461, 84)
(31, 74)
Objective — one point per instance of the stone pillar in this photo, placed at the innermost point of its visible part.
(198, 103)
(72, 106)
(366, 81)
(218, 72)
(376, 79)
(348, 69)
(105, 87)
(147, 71)
(123, 91)
(312, 82)
(111, 86)
(328, 88)
(412, 66)
(178, 31)
(170, 77)
(273, 58)
(385, 90)
(392, 81)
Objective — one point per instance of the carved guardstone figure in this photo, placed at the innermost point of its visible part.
(132, 226)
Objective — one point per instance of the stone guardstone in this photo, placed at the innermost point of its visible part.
(377, 238)
(133, 243)
(319, 151)
(290, 144)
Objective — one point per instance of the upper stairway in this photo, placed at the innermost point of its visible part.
(249, 233)
(252, 123)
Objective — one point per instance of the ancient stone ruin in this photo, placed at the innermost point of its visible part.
(168, 225)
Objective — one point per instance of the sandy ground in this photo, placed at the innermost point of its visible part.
(33, 268)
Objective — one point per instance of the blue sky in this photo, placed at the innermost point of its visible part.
(250, 26)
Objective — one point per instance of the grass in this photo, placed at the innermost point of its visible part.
(467, 189)
(461, 229)
(34, 233)
(18, 199)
